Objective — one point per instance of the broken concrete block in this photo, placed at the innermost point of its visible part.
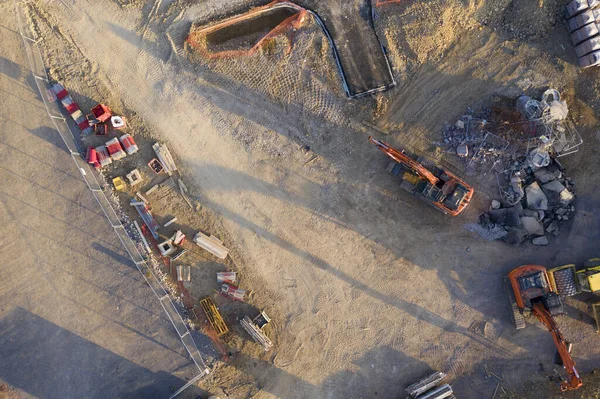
(540, 241)
(530, 212)
(553, 228)
(498, 215)
(460, 124)
(545, 176)
(536, 198)
(462, 150)
(532, 226)
(515, 236)
(566, 197)
(553, 186)
(540, 215)
(513, 217)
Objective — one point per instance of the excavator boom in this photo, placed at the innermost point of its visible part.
(402, 158)
(544, 316)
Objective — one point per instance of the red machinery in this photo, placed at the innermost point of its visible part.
(438, 187)
(531, 289)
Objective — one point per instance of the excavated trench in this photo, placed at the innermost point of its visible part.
(347, 24)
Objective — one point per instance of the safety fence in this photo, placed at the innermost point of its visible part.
(76, 149)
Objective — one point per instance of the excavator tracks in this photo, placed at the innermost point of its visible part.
(515, 314)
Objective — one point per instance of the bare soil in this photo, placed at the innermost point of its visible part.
(368, 288)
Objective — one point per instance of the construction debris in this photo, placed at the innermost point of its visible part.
(255, 326)
(211, 244)
(546, 202)
(499, 139)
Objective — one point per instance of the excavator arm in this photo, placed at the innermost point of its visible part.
(544, 316)
(402, 158)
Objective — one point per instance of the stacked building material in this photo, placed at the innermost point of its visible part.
(60, 93)
(211, 244)
(255, 326)
(164, 156)
(129, 144)
(584, 26)
(115, 150)
(103, 156)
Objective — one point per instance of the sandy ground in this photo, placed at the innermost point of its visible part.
(368, 288)
(76, 318)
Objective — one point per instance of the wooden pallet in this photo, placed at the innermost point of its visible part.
(213, 316)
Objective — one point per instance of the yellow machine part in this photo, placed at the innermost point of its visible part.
(551, 275)
(411, 178)
(213, 316)
(593, 279)
(119, 183)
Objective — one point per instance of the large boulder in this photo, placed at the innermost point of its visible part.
(536, 199)
(532, 226)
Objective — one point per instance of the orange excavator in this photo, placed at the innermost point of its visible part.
(439, 188)
(531, 290)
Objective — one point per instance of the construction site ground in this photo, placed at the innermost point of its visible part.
(368, 288)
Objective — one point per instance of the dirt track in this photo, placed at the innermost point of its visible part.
(368, 288)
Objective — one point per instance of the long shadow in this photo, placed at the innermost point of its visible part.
(48, 361)
(370, 379)
(411, 308)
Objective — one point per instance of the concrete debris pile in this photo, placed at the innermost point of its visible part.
(537, 202)
(496, 138)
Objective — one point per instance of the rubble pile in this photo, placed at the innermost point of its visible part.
(496, 138)
(541, 199)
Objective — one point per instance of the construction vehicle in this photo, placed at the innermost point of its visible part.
(439, 188)
(568, 281)
(532, 291)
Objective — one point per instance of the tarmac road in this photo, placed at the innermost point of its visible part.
(76, 318)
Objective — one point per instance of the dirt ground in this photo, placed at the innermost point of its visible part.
(368, 288)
